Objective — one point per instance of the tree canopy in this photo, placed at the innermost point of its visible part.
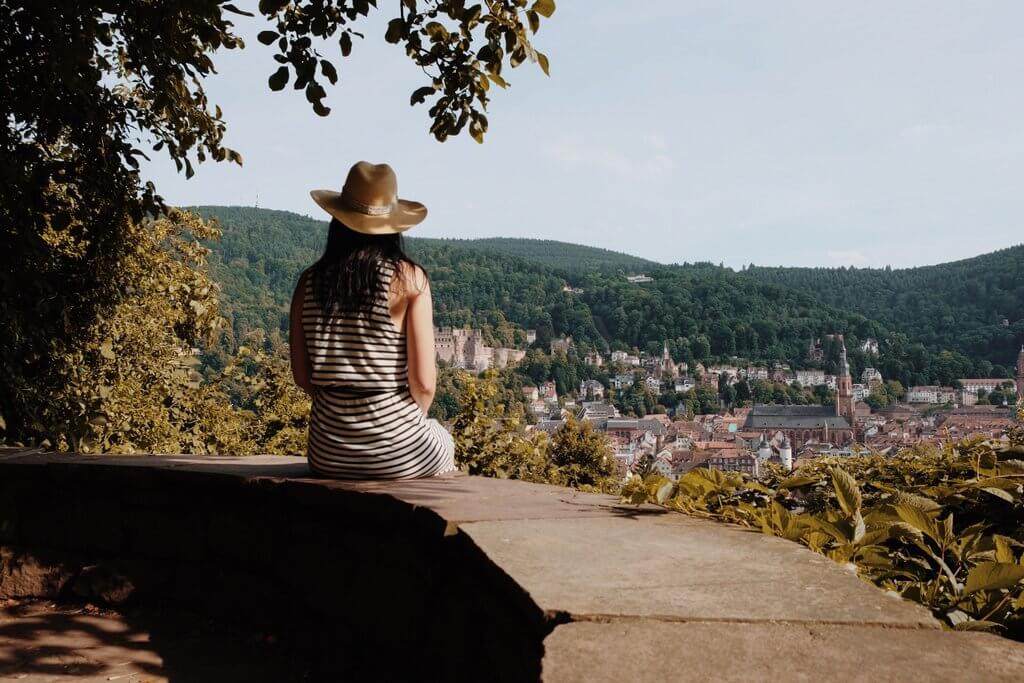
(92, 87)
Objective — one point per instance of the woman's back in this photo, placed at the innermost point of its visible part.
(360, 351)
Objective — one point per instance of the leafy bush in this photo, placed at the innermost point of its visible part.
(491, 443)
(943, 527)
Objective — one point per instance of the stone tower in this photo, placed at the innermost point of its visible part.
(786, 454)
(1020, 373)
(844, 388)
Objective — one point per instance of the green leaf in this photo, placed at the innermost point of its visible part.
(993, 576)
(534, 20)
(396, 28)
(421, 94)
(798, 481)
(914, 500)
(544, 7)
(267, 37)
(918, 519)
(543, 61)
(663, 492)
(329, 71)
(279, 79)
(1004, 548)
(345, 42)
(272, 6)
(998, 493)
(847, 491)
(497, 80)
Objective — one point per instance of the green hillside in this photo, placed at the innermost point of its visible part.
(705, 312)
(975, 306)
(563, 256)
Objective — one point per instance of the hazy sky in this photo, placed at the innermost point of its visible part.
(771, 132)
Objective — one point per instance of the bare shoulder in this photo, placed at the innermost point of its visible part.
(414, 280)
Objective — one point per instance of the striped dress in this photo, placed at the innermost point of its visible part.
(365, 423)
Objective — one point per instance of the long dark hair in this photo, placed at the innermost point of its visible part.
(349, 276)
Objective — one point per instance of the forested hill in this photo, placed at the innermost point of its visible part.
(705, 312)
(566, 257)
(975, 306)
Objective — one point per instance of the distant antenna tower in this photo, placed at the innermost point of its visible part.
(257, 204)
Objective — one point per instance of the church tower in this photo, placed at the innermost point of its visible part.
(844, 388)
(1020, 373)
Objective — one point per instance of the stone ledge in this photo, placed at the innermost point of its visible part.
(507, 571)
(651, 650)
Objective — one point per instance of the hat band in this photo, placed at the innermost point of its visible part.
(368, 209)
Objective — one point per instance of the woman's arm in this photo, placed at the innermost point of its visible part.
(301, 369)
(419, 340)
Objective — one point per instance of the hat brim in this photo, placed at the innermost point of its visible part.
(407, 213)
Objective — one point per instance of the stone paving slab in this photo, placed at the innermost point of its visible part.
(649, 650)
(673, 566)
(455, 497)
(651, 594)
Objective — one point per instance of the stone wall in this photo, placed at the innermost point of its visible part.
(374, 584)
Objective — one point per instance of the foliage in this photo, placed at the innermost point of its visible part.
(90, 87)
(491, 443)
(462, 49)
(958, 306)
(582, 454)
(84, 392)
(128, 382)
(705, 313)
(941, 527)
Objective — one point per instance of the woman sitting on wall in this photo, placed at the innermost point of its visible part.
(362, 339)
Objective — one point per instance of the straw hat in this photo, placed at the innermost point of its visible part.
(369, 203)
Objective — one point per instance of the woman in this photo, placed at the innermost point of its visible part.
(362, 339)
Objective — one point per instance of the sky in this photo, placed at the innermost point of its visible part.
(781, 132)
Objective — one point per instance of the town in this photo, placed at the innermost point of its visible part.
(843, 415)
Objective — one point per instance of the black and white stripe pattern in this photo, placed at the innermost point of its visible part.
(365, 423)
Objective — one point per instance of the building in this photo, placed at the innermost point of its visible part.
(593, 359)
(684, 385)
(561, 345)
(596, 410)
(988, 385)
(591, 388)
(810, 378)
(619, 356)
(926, 393)
(623, 381)
(530, 393)
(860, 392)
(870, 376)
(756, 372)
(632, 429)
(870, 345)
(844, 388)
(815, 353)
(531, 336)
(653, 385)
(802, 424)
(1020, 372)
(465, 348)
(548, 391)
(639, 279)
(732, 460)
(665, 367)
